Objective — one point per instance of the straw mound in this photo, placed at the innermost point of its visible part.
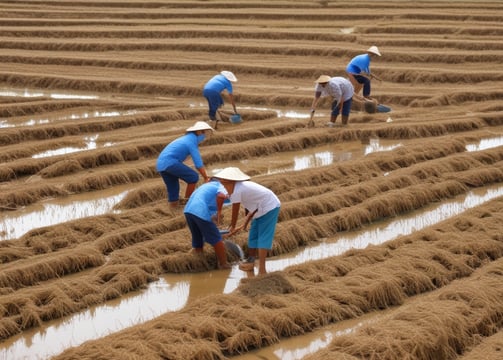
(133, 72)
(459, 263)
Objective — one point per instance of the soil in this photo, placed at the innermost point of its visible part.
(129, 75)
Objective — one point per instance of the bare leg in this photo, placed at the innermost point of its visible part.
(173, 204)
(262, 254)
(345, 119)
(221, 255)
(189, 190)
(356, 85)
(333, 118)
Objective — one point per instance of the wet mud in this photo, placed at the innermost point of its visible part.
(390, 230)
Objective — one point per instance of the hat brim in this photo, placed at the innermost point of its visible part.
(200, 125)
(232, 174)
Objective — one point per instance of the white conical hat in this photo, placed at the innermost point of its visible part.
(232, 173)
(374, 50)
(200, 125)
(229, 76)
(323, 79)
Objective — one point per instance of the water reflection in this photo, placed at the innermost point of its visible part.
(298, 347)
(55, 337)
(381, 232)
(90, 144)
(29, 94)
(283, 162)
(376, 146)
(84, 115)
(16, 224)
(173, 291)
(485, 144)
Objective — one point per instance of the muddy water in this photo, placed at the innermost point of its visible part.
(298, 347)
(172, 292)
(15, 224)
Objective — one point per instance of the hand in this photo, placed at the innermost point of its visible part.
(311, 121)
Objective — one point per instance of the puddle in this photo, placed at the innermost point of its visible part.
(90, 144)
(56, 336)
(485, 144)
(17, 223)
(298, 347)
(292, 114)
(349, 30)
(84, 115)
(376, 233)
(172, 292)
(31, 94)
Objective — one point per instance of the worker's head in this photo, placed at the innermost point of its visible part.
(323, 80)
(201, 129)
(229, 176)
(229, 75)
(373, 50)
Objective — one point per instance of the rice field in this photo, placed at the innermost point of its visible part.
(92, 91)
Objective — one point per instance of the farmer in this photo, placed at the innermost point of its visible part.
(170, 162)
(203, 213)
(341, 91)
(262, 209)
(212, 92)
(358, 70)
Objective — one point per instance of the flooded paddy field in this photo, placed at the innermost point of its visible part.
(389, 243)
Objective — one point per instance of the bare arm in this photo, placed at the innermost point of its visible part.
(231, 97)
(315, 100)
(220, 203)
(203, 173)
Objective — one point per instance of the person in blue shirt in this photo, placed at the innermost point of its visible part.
(358, 70)
(170, 162)
(213, 89)
(202, 213)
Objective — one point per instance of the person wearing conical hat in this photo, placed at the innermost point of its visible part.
(170, 162)
(202, 214)
(340, 90)
(358, 70)
(213, 89)
(261, 208)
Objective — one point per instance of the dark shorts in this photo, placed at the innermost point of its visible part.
(171, 177)
(215, 100)
(346, 107)
(366, 83)
(202, 231)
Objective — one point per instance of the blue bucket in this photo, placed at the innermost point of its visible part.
(383, 108)
(235, 119)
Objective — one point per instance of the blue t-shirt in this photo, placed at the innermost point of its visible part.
(203, 201)
(178, 150)
(358, 64)
(219, 83)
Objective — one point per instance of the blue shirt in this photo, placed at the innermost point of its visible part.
(178, 150)
(219, 83)
(358, 64)
(203, 201)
